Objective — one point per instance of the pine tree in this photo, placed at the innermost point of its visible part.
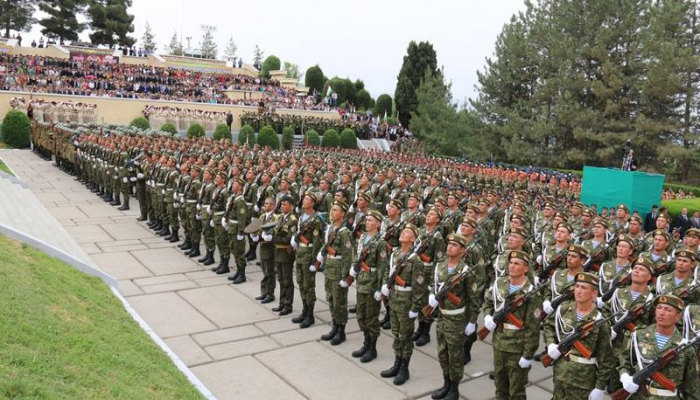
(419, 57)
(208, 45)
(230, 51)
(61, 21)
(258, 57)
(148, 39)
(111, 22)
(175, 46)
(16, 15)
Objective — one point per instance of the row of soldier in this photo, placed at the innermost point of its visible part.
(55, 111)
(611, 300)
(183, 118)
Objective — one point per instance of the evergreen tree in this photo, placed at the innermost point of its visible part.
(230, 51)
(16, 15)
(208, 45)
(292, 70)
(271, 63)
(383, 106)
(175, 46)
(111, 22)
(61, 21)
(419, 57)
(148, 39)
(314, 80)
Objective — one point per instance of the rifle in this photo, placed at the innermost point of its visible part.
(546, 273)
(357, 230)
(360, 262)
(631, 315)
(653, 370)
(592, 263)
(663, 268)
(326, 248)
(394, 276)
(556, 302)
(616, 284)
(507, 311)
(574, 341)
(303, 228)
(428, 241)
(445, 292)
(688, 290)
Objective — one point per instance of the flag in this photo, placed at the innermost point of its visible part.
(329, 92)
(384, 119)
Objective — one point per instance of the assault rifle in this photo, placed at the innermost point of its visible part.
(593, 263)
(394, 277)
(428, 241)
(556, 302)
(631, 315)
(615, 285)
(544, 273)
(326, 249)
(663, 268)
(445, 292)
(360, 262)
(506, 313)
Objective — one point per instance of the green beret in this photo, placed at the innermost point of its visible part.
(413, 228)
(661, 232)
(365, 195)
(566, 226)
(685, 254)
(693, 232)
(626, 239)
(341, 204)
(313, 196)
(623, 207)
(437, 211)
(414, 195)
(221, 174)
(670, 299)
(587, 277)
(519, 231)
(519, 255)
(376, 215)
(396, 203)
(644, 262)
(459, 239)
(639, 220)
(469, 221)
(588, 211)
(578, 249)
(601, 221)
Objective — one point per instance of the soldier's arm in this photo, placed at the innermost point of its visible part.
(242, 216)
(605, 355)
(420, 293)
(532, 328)
(487, 307)
(345, 250)
(623, 358)
(382, 263)
(472, 303)
(691, 382)
(548, 331)
(316, 236)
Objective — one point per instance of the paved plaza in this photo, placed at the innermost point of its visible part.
(237, 347)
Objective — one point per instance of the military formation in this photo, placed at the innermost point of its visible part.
(432, 242)
(302, 124)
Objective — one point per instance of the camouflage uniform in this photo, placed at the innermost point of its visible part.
(309, 241)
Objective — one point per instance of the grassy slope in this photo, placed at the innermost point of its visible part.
(4, 168)
(63, 334)
(675, 206)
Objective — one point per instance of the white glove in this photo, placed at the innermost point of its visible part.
(421, 208)
(596, 394)
(628, 383)
(613, 334)
(211, 223)
(132, 179)
(433, 301)
(267, 237)
(353, 273)
(377, 296)
(470, 329)
(385, 290)
(125, 180)
(319, 258)
(547, 307)
(199, 207)
(198, 216)
(539, 259)
(553, 351)
(312, 268)
(162, 191)
(343, 284)
(224, 224)
(255, 238)
(240, 237)
(175, 196)
(489, 324)
(176, 205)
(524, 362)
(182, 200)
(293, 242)
(139, 175)
(209, 209)
(256, 208)
(412, 314)
(177, 166)
(599, 302)
(116, 169)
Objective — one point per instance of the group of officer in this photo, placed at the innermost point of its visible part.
(430, 240)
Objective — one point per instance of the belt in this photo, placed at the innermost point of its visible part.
(282, 246)
(335, 257)
(403, 289)
(583, 360)
(205, 205)
(306, 245)
(235, 221)
(427, 264)
(161, 184)
(248, 204)
(456, 311)
(662, 392)
(510, 327)
(168, 189)
(191, 201)
(220, 213)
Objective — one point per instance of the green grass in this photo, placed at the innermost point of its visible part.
(63, 334)
(4, 168)
(675, 206)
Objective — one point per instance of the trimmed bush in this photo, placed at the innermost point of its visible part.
(312, 138)
(169, 127)
(271, 63)
(15, 129)
(348, 140)
(268, 137)
(246, 135)
(141, 123)
(222, 132)
(287, 137)
(195, 130)
(383, 105)
(330, 138)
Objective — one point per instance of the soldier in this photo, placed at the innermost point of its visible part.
(281, 236)
(649, 343)
(554, 254)
(391, 227)
(267, 255)
(455, 319)
(563, 281)
(307, 243)
(206, 193)
(513, 347)
(413, 214)
(336, 256)
(179, 203)
(405, 292)
(621, 223)
(193, 214)
(680, 279)
(516, 241)
(576, 376)
(662, 260)
(597, 246)
(636, 234)
(142, 192)
(171, 186)
(236, 219)
(617, 269)
(325, 199)
(474, 257)
(217, 211)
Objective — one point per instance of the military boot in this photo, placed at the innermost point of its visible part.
(117, 201)
(224, 269)
(309, 319)
(362, 350)
(125, 206)
(419, 331)
(394, 370)
(251, 254)
(339, 336)
(175, 237)
(403, 374)
(206, 257)
(328, 336)
(386, 322)
(299, 318)
(442, 392)
(425, 335)
(241, 277)
(165, 231)
(371, 352)
(467, 356)
(194, 251)
(453, 394)
(186, 245)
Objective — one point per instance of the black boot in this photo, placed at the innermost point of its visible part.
(141, 218)
(467, 356)
(240, 278)
(170, 234)
(352, 310)
(386, 322)
(224, 267)
(157, 225)
(371, 353)
(453, 394)
(186, 245)
(165, 231)
(194, 252)
(309, 320)
(117, 201)
(425, 335)
(419, 331)
(394, 370)
(125, 206)
(299, 318)
(442, 392)
(175, 236)
(209, 259)
(108, 198)
(251, 254)
(328, 336)
(206, 256)
(234, 276)
(403, 374)
(339, 336)
(362, 350)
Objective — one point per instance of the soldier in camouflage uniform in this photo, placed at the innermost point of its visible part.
(206, 193)
(217, 211)
(597, 246)
(391, 227)
(193, 214)
(433, 245)
(561, 284)
(307, 243)
(658, 254)
(680, 279)
(616, 269)
(236, 220)
(281, 236)
(475, 258)
(267, 255)
(179, 203)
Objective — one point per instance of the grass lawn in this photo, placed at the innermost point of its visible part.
(4, 168)
(675, 206)
(63, 334)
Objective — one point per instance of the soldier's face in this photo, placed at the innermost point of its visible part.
(624, 250)
(666, 316)
(323, 186)
(412, 202)
(285, 207)
(573, 260)
(585, 293)
(407, 236)
(562, 234)
(392, 210)
(640, 275)
(660, 243)
(269, 205)
(432, 218)
(517, 268)
(452, 201)
(548, 212)
(361, 202)
(371, 224)
(308, 202)
(586, 219)
(515, 241)
(599, 230)
(337, 214)
(683, 264)
(621, 214)
(236, 186)
(634, 227)
(692, 241)
(454, 249)
(661, 223)
(466, 230)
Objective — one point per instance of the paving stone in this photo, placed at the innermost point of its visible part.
(50, 197)
(128, 288)
(162, 245)
(157, 280)
(309, 373)
(244, 378)
(91, 221)
(169, 315)
(90, 248)
(298, 335)
(88, 234)
(165, 261)
(241, 348)
(66, 212)
(188, 351)
(226, 307)
(79, 195)
(537, 393)
(126, 231)
(124, 248)
(170, 287)
(98, 210)
(227, 335)
(121, 265)
(475, 389)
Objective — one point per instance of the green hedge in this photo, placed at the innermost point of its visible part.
(141, 123)
(330, 138)
(675, 206)
(222, 132)
(348, 139)
(686, 188)
(246, 134)
(195, 130)
(313, 138)
(15, 129)
(287, 137)
(169, 127)
(268, 137)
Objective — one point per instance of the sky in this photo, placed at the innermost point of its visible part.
(354, 39)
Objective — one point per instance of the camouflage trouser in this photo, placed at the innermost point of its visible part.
(125, 187)
(305, 278)
(336, 295)
(564, 391)
(208, 231)
(172, 212)
(182, 213)
(268, 282)
(222, 241)
(194, 224)
(368, 313)
(161, 206)
(450, 344)
(429, 268)
(284, 276)
(142, 196)
(509, 378)
(237, 248)
(401, 325)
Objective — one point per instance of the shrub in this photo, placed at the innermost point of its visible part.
(392, 121)
(195, 130)
(383, 105)
(169, 127)
(330, 138)
(287, 137)
(222, 132)
(246, 134)
(363, 99)
(348, 140)
(15, 129)
(141, 123)
(271, 63)
(268, 137)
(312, 138)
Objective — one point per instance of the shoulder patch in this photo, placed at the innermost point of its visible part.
(348, 245)
(382, 254)
(420, 279)
(242, 210)
(315, 232)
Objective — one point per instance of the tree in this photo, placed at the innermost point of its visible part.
(363, 99)
(110, 22)
(348, 139)
(195, 130)
(208, 46)
(330, 138)
(15, 129)
(343, 87)
(287, 137)
(175, 46)
(383, 105)
(141, 123)
(61, 21)
(230, 51)
(359, 85)
(148, 39)
(222, 132)
(271, 63)
(313, 79)
(257, 57)
(419, 57)
(292, 70)
(16, 15)
(268, 137)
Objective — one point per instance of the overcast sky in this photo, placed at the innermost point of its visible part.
(356, 39)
